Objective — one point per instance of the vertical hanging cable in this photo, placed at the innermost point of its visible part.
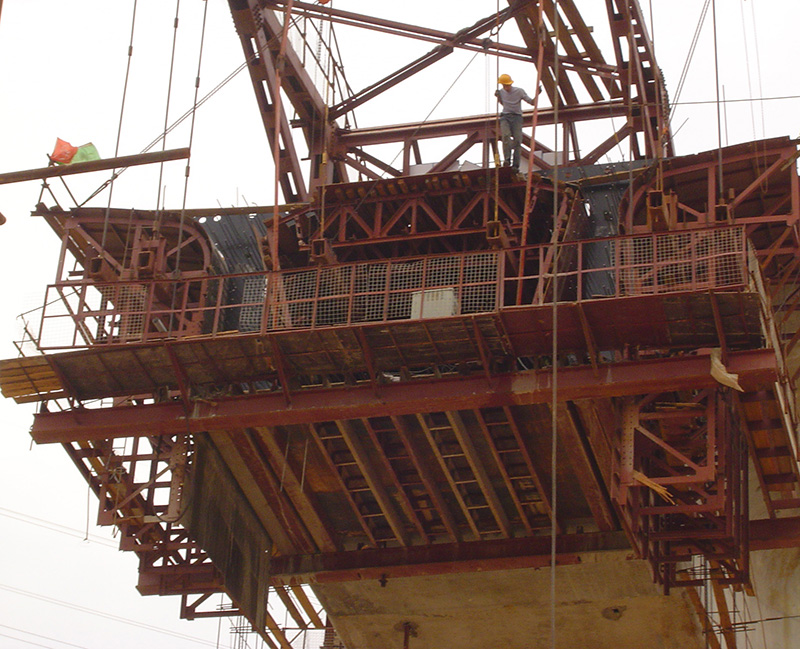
(328, 73)
(720, 188)
(119, 127)
(177, 270)
(497, 117)
(276, 145)
(758, 67)
(529, 180)
(159, 203)
(554, 399)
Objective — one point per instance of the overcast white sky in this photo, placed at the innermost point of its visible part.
(62, 66)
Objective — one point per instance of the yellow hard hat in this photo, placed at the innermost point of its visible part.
(505, 79)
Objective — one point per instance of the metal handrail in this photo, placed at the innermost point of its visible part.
(391, 289)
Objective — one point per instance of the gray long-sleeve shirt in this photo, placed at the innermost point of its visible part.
(512, 99)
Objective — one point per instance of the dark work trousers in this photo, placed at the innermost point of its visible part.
(511, 132)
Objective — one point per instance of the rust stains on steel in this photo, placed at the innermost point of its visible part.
(94, 165)
(308, 406)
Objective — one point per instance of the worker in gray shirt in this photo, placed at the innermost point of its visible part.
(511, 99)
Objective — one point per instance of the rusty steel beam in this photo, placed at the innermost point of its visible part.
(307, 508)
(755, 368)
(573, 436)
(407, 30)
(427, 477)
(474, 459)
(442, 558)
(466, 125)
(362, 456)
(386, 466)
(120, 162)
(439, 52)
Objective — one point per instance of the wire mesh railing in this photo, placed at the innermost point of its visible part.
(83, 313)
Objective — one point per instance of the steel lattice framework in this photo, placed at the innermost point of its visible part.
(366, 374)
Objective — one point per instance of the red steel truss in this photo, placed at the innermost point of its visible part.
(373, 390)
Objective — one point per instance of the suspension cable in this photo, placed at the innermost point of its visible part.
(554, 398)
(497, 119)
(188, 162)
(177, 122)
(119, 127)
(166, 114)
(720, 188)
(328, 74)
(690, 55)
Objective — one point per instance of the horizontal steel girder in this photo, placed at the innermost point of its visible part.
(368, 136)
(505, 554)
(756, 369)
(435, 559)
(438, 559)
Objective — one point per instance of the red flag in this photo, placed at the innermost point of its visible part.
(63, 152)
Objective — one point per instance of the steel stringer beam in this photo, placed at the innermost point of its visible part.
(755, 368)
(440, 558)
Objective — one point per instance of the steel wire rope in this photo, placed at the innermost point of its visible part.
(747, 67)
(421, 124)
(758, 65)
(632, 137)
(119, 126)
(690, 55)
(760, 614)
(765, 183)
(720, 177)
(496, 116)
(327, 74)
(179, 245)
(554, 364)
(527, 206)
(177, 122)
(157, 216)
(707, 602)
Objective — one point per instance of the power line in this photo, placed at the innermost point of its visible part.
(108, 616)
(37, 635)
(734, 101)
(35, 644)
(54, 527)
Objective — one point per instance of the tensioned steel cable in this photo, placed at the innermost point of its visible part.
(177, 122)
(690, 55)
(188, 161)
(720, 187)
(166, 112)
(119, 127)
(747, 67)
(421, 124)
(758, 66)
(554, 397)
(497, 117)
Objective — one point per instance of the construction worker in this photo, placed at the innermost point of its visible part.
(511, 99)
